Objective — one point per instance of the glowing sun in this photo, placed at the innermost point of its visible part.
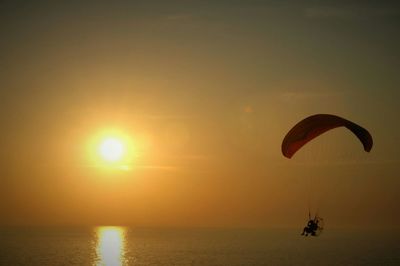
(112, 149)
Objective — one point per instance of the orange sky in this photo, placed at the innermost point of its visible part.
(206, 92)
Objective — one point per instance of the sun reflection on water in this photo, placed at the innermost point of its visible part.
(110, 246)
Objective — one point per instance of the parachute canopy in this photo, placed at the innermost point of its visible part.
(313, 126)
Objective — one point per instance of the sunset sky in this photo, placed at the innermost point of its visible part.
(202, 94)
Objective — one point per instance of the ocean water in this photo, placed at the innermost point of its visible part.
(119, 246)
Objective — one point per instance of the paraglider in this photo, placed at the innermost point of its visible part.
(310, 128)
(315, 125)
(314, 226)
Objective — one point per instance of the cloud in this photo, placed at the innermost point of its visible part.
(180, 17)
(350, 12)
(162, 117)
(295, 96)
(344, 162)
(129, 167)
(156, 167)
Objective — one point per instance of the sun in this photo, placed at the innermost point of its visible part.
(112, 149)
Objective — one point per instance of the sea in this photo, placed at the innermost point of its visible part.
(118, 246)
